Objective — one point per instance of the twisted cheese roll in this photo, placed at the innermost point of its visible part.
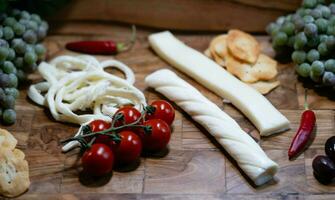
(247, 153)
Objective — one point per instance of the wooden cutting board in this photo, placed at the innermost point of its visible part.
(195, 166)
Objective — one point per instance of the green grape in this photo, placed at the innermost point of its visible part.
(331, 20)
(45, 25)
(288, 28)
(19, 46)
(9, 116)
(309, 3)
(321, 25)
(313, 55)
(18, 62)
(4, 80)
(299, 24)
(311, 30)
(330, 42)
(269, 28)
(331, 30)
(328, 79)
(13, 80)
(3, 53)
(280, 39)
(290, 41)
(30, 37)
(21, 75)
(19, 29)
(8, 67)
(9, 21)
(25, 15)
(40, 50)
(32, 25)
(298, 57)
(303, 69)
(30, 48)
(322, 48)
(321, 1)
(42, 32)
(316, 13)
(332, 8)
(3, 43)
(300, 41)
(280, 20)
(308, 19)
(8, 102)
(317, 68)
(314, 77)
(2, 94)
(30, 58)
(307, 11)
(330, 65)
(326, 13)
(301, 12)
(36, 18)
(11, 54)
(313, 42)
(323, 37)
(1, 32)
(8, 33)
(13, 92)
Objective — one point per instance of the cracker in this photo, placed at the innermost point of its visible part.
(218, 49)
(14, 172)
(242, 70)
(243, 46)
(265, 68)
(7, 140)
(264, 87)
(207, 53)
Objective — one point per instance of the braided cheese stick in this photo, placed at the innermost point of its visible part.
(247, 153)
(255, 106)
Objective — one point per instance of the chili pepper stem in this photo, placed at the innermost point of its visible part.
(305, 100)
(121, 47)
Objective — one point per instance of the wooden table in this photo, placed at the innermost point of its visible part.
(194, 168)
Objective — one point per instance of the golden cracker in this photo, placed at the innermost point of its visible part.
(243, 46)
(264, 87)
(7, 140)
(14, 172)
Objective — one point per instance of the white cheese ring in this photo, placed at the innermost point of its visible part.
(247, 153)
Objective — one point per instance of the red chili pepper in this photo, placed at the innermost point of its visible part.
(101, 47)
(304, 132)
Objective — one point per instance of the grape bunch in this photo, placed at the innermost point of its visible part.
(309, 35)
(21, 49)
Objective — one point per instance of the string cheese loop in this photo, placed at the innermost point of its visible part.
(255, 106)
(247, 153)
(79, 84)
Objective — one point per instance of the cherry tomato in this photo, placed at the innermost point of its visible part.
(158, 138)
(98, 160)
(128, 149)
(163, 111)
(100, 125)
(130, 115)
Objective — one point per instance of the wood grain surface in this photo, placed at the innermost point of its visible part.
(195, 167)
(204, 15)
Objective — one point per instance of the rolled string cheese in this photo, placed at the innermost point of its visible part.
(247, 153)
(255, 106)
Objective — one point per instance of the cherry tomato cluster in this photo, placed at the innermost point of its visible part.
(122, 141)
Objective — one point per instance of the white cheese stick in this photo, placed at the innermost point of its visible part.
(255, 106)
(247, 153)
